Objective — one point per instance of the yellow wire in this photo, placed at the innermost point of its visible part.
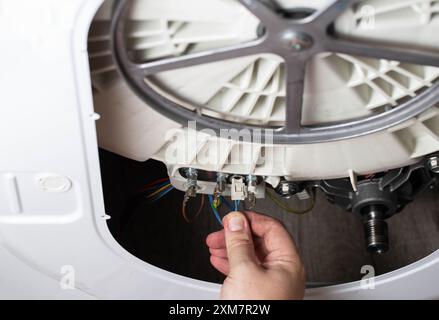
(288, 209)
(217, 203)
(159, 190)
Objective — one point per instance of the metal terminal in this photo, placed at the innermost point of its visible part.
(251, 191)
(191, 184)
(221, 182)
(287, 189)
(376, 231)
(433, 164)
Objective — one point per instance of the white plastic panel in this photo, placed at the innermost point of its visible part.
(38, 198)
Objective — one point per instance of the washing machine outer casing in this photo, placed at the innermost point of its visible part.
(47, 129)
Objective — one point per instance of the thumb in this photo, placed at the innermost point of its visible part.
(239, 242)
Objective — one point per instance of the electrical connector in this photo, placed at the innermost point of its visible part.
(238, 189)
(191, 184)
(221, 182)
(251, 191)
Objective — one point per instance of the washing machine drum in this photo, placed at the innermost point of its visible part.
(339, 90)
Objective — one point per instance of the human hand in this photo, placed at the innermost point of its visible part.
(259, 258)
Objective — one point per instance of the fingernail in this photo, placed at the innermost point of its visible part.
(236, 223)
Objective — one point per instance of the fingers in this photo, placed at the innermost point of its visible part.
(220, 253)
(216, 240)
(271, 242)
(262, 224)
(262, 227)
(239, 242)
(276, 242)
(217, 245)
(220, 264)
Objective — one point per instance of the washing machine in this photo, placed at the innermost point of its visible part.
(239, 100)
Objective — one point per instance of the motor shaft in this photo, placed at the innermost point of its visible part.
(376, 230)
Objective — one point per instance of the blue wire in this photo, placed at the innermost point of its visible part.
(162, 194)
(228, 204)
(237, 203)
(215, 211)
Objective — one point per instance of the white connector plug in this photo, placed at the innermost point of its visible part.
(238, 189)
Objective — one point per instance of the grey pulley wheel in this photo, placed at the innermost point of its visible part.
(296, 41)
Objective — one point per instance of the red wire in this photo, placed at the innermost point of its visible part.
(152, 184)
